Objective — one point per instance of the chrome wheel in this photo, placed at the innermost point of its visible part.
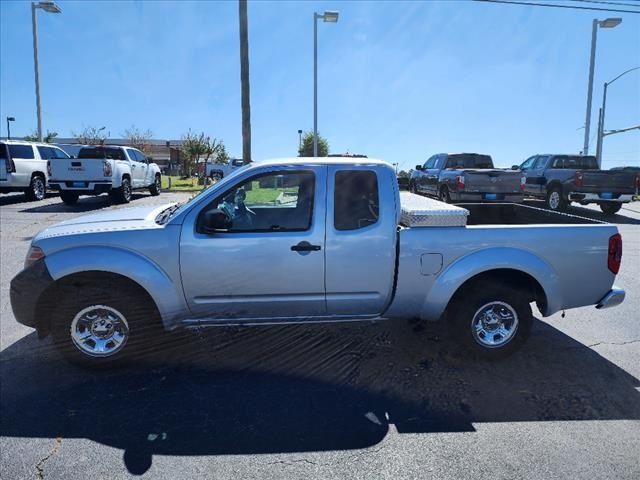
(494, 324)
(38, 188)
(126, 190)
(99, 331)
(158, 183)
(554, 200)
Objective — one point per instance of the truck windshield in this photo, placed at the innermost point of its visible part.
(102, 153)
(468, 160)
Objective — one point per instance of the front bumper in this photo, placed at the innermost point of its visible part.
(612, 299)
(26, 290)
(595, 197)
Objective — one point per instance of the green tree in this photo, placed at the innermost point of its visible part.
(307, 146)
(403, 174)
(140, 139)
(48, 138)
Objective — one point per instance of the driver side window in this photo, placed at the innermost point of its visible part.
(273, 202)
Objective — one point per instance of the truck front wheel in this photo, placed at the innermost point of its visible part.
(610, 208)
(155, 187)
(491, 321)
(443, 194)
(103, 326)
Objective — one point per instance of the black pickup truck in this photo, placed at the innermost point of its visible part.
(562, 179)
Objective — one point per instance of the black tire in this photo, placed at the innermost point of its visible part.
(155, 187)
(109, 300)
(444, 195)
(468, 309)
(37, 189)
(123, 193)
(610, 208)
(69, 198)
(413, 188)
(556, 200)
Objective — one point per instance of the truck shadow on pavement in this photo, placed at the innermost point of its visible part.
(303, 389)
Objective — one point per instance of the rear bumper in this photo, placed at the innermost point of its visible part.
(595, 197)
(25, 291)
(487, 197)
(612, 299)
(82, 187)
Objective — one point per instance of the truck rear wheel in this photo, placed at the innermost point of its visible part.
(37, 189)
(610, 208)
(443, 194)
(123, 193)
(69, 198)
(155, 187)
(103, 327)
(555, 200)
(490, 321)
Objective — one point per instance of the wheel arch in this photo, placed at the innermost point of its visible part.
(497, 264)
(124, 265)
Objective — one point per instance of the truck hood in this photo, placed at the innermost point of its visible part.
(109, 221)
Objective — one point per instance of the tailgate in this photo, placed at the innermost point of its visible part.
(70, 169)
(492, 181)
(608, 181)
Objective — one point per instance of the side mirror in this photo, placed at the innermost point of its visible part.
(515, 167)
(418, 167)
(215, 220)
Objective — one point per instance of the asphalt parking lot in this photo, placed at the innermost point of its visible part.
(380, 400)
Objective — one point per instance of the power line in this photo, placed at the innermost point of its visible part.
(574, 7)
(604, 2)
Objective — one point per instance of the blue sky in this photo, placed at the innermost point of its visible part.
(397, 80)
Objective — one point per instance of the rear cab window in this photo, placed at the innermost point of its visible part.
(355, 199)
(101, 153)
(466, 160)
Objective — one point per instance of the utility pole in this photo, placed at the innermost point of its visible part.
(244, 80)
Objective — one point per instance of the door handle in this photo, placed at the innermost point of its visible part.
(305, 247)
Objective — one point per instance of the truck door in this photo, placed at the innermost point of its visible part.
(361, 239)
(537, 178)
(270, 262)
(138, 168)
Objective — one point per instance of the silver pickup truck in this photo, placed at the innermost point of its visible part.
(309, 240)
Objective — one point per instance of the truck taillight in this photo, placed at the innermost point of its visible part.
(459, 182)
(637, 184)
(106, 169)
(34, 254)
(615, 253)
(49, 168)
(523, 183)
(578, 179)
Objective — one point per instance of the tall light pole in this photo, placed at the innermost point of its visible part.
(602, 114)
(299, 142)
(9, 119)
(327, 17)
(50, 7)
(607, 23)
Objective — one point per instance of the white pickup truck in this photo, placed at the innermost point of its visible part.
(23, 167)
(98, 169)
(310, 240)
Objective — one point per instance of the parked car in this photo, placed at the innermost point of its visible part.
(100, 169)
(463, 177)
(309, 240)
(562, 179)
(23, 167)
(220, 170)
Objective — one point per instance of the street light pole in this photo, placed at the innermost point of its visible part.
(328, 17)
(607, 23)
(50, 7)
(601, 134)
(299, 142)
(9, 119)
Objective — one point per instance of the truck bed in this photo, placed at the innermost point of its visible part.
(517, 214)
